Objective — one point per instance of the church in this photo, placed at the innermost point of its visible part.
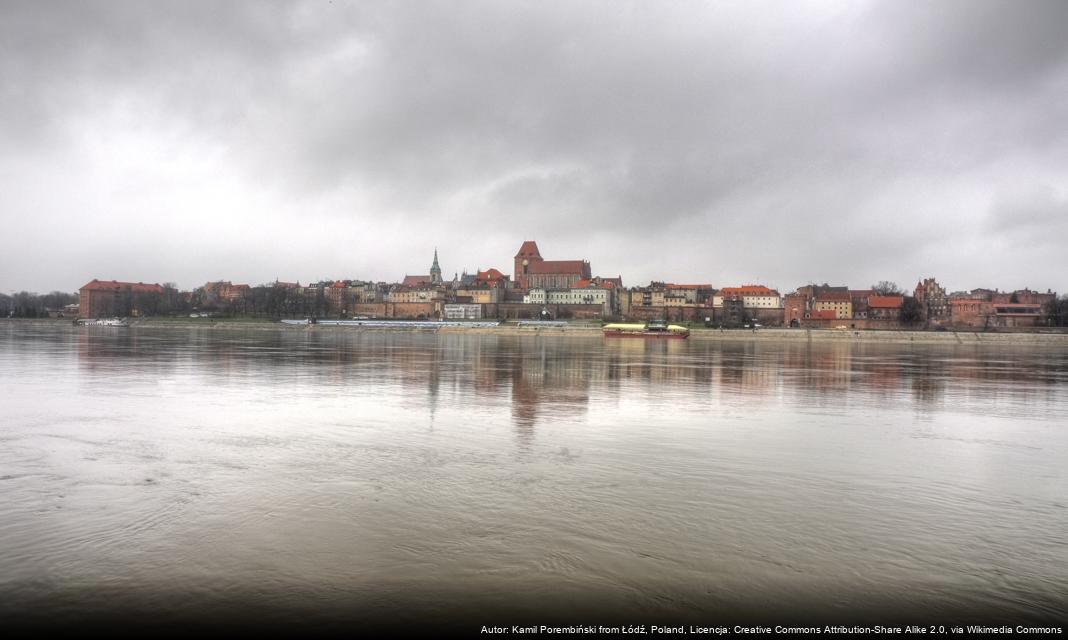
(431, 280)
(534, 272)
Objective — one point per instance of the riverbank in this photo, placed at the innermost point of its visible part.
(584, 330)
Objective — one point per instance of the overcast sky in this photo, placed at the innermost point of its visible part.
(720, 142)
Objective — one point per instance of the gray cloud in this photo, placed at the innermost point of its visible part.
(720, 142)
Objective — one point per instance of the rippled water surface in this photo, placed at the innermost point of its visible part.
(336, 473)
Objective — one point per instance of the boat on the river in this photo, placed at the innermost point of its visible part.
(103, 322)
(653, 329)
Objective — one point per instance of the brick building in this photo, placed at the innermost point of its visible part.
(493, 278)
(339, 298)
(795, 308)
(108, 298)
(417, 281)
(534, 272)
(1023, 296)
(859, 298)
(431, 279)
(225, 291)
(934, 303)
(885, 307)
(985, 314)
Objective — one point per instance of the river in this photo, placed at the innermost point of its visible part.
(333, 478)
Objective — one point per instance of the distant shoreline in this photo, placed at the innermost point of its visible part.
(702, 334)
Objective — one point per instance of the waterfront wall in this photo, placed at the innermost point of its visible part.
(409, 310)
(1058, 339)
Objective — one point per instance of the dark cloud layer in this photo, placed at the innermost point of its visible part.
(721, 142)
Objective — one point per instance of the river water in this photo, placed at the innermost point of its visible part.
(334, 477)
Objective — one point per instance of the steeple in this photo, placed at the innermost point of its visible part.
(435, 269)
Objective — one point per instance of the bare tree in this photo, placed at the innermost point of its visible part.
(1057, 312)
(887, 288)
(911, 311)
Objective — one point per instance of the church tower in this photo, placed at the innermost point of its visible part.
(435, 269)
(528, 254)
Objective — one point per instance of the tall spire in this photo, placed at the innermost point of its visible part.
(435, 269)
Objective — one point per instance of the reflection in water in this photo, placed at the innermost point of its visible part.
(336, 473)
(551, 378)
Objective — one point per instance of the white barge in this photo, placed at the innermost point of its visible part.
(103, 322)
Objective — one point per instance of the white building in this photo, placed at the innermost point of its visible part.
(463, 312)
(535, 296)
(753, 297)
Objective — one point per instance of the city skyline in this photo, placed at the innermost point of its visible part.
(189, 142)
(450, 276)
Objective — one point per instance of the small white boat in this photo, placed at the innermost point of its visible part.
(104, 322)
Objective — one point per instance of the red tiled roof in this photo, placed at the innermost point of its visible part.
(558, 266)
(114, 285)
(885, 302)
(861, 293)
(415, 281)
(490, 274)
(834, 296)
(529, 249)
(747, 290)
(338, 285)
(587, 284)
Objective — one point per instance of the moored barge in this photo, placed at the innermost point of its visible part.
(646, 330)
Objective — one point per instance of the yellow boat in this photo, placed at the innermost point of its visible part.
(653, 329)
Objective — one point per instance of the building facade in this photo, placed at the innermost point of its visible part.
(934, 303)
(840, 302)
(411, 295)
(478, 293)
(534, 272)
(975, 313)
(109, 298)
(753, 296)
(463, 312)
(885, 307)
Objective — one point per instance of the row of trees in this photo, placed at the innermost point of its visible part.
(1057, 312)
(150, 303)
(26, 304)
(267, 300)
